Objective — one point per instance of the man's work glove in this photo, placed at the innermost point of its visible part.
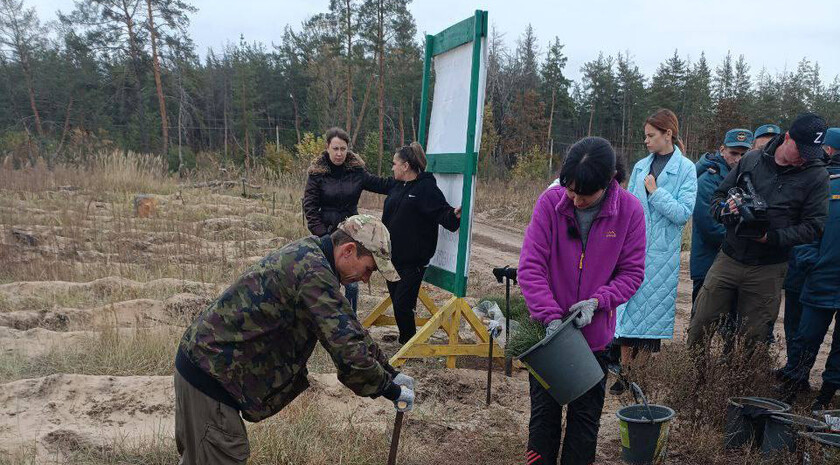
(404, 380)
(405, 402)
(587, 311)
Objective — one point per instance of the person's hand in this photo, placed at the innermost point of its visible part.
(458, 213)
(732, 207)
(587, 311)
(553, 326)
(404, 380)
(650, 184)
(405, 402)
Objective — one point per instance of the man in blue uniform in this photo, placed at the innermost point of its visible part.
(763, 135)
(706, 233)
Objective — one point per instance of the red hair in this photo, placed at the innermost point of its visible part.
(665, 119)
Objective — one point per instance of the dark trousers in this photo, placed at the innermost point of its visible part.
(758, 289)
(793, 313)
(583, 419)
(805, 346)
(404, 299)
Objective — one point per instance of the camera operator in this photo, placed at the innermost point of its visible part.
(775, 199)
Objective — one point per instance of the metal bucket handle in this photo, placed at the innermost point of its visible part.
(637, 393)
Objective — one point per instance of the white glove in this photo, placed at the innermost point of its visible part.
(553, 326)
(404, 380)
(587, 311)
(405, 402)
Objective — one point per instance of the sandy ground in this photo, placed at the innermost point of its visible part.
(63, 411)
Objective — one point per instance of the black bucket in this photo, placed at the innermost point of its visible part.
(563, 363)
(829, 448)
(780, 431)
(745, 417)
(644, 439)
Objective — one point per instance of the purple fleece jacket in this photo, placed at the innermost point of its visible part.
(554, 272)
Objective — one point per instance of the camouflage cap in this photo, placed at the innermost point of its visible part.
(374, 236)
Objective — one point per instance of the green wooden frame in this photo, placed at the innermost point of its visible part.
(469, 30)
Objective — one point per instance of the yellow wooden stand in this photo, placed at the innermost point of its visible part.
(448, 318)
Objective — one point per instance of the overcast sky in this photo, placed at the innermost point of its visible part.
(771, 33)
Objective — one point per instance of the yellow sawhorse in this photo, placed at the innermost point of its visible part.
(448, 318)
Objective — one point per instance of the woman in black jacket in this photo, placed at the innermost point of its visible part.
(414, 208)
(335, 182)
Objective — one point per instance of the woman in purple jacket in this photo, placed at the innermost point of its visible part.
(584, 249)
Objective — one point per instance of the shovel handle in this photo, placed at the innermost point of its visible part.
(395, 438)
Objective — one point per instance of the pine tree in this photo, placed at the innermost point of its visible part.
(555, 86)
(22, 34)
(667, 88)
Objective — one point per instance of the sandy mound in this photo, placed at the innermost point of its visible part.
(72, 411)
(130, 313)
(38, 341)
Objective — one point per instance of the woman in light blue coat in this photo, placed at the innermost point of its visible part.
(666, 183)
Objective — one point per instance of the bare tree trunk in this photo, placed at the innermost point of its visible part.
(134, 50)
(31, 88)
(550, 117)
(349, 71)
(245, 126)
(361, 113)
(402, 127)
(381, 39)
(158, 84)
(66, 128)
(181, 95)
(591, 115)
(297, 120)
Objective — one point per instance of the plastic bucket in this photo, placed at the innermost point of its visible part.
(644, 439)
(829, 447)
(780, 431)
(563, 363)
(831, 417)
(745, 417)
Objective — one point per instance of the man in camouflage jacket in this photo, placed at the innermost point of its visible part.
(247, 352)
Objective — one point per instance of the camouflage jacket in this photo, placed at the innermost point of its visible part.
(256, 338)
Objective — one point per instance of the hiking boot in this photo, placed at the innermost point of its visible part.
(789, 388)
(823, 400)
(618, 388)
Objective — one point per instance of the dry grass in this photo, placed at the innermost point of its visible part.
(698, 389)
(147, 352)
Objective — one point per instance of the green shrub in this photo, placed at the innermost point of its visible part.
(531, 167)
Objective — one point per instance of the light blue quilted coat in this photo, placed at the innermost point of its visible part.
(649, 314)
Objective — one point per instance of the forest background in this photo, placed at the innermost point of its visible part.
(125, 75)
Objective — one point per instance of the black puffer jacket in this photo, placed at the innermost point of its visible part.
(797, 205)
(332, 192)
(413, 210)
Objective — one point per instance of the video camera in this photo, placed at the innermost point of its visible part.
(751, 221)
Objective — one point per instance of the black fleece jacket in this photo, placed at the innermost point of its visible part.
(797, 205)
(413, 210)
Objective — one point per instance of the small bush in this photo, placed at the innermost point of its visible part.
(532, 167)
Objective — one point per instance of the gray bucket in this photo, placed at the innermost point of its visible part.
(563, 363)
(828, 448)
(644, 430)
(745, 418)
(780, 431)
